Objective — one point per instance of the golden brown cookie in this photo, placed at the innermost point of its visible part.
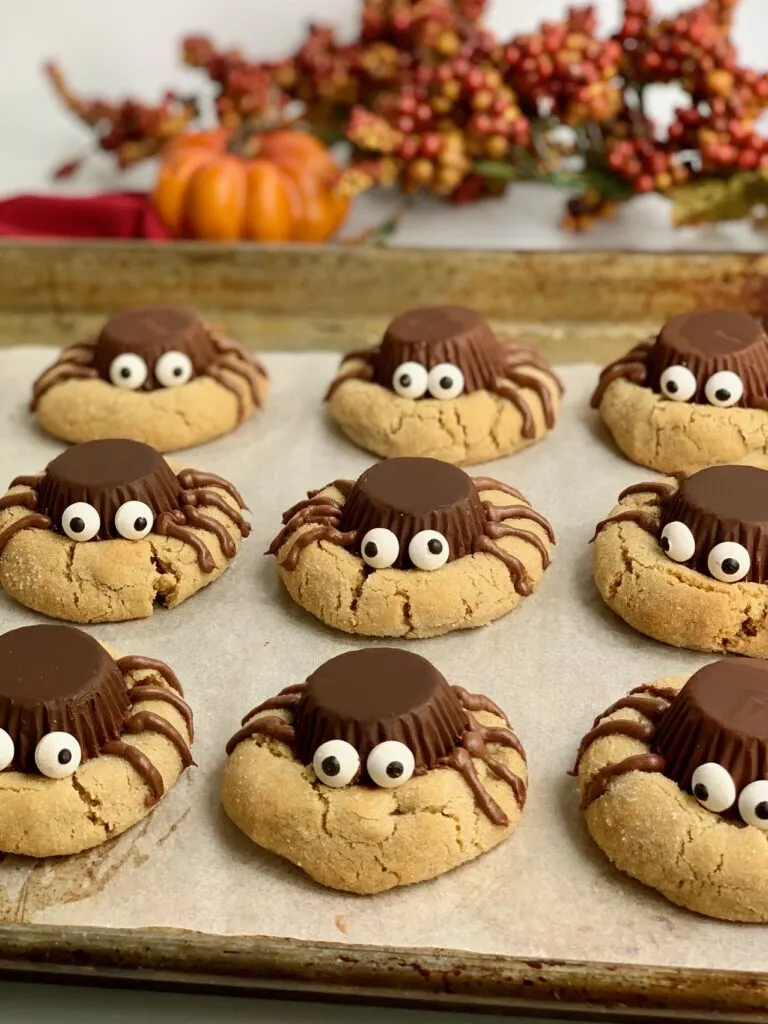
(695, 396)
(684, 561)
(109, 531)
(674, 787)
(89, 742)
(154, 374)
(441, 385)
(413, 548)
(358, 778)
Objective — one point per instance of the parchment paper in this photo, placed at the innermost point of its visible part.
(562, 657)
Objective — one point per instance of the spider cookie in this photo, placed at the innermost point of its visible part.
(687, 561)
(695, 396)
(155, 374)
(442, 385)
(108, 531)
(375, 773)
(674, 787)
(413, 548)
(88, 742)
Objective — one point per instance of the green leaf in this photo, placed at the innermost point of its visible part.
(716, 199)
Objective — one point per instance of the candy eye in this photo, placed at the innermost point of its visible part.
(445, 381)
(134, 520)
(724, 389)
(390, 764)
(713, 787)
(380, 548)
(410, 380)
(58, 755)
(678, 542)
(428, 550)
(7, 750)
(128, 371)
(173, 368)
(753, 804)
(80, 521)
(678, 383)
(336, 763)
(728, 562)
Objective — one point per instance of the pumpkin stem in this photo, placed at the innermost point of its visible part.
(245, 140)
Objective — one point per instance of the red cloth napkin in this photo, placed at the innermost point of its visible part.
(112, 215)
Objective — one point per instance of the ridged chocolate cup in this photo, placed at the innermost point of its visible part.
(725, 503)
(149, 331)
(56, 678)
(441, 334)
(377, 694)
(720, 715)
(409, 495)
(106, 474)
(708, 341)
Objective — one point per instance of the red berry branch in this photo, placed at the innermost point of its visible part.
(431, 100)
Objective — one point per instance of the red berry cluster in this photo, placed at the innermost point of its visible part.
(245, 90)
(721, 141)
(563, 70)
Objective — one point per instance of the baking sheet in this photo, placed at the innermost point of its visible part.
(553, 664)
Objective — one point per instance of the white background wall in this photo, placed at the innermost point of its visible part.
(118, 47)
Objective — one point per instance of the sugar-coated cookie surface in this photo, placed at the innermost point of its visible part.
(674, 787)
(89, 742)
(108, 531)
(694, 396)
(412, 548)
(441, 385)
(375, 773)
(155, 374)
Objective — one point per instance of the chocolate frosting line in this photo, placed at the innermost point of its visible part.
(198, 519)
(648, 521)
(637, 763)
(27, 481)
(167, 526)
(634, 370)
(659, 487)
(364, 373)
(517, 571)
(210, 499)
(498, 513)
(344, 487)
(498, 530)
(479, 702)
(248, 373)
(527, 357)
(145, 691)
(271, 726)
(461, 761)
(314, 535)
(148, 721)
(540, 389)
(487, 483)
(215, 373)
(665, 692)
(141, 763)
(321, 516)
(227, 345)
(652, 707)
(284, 699)
(194, 479)
(34, 521)
(644, 731)
(19, 499)
(508, 390)
(139, 663)
(67, 371)
(311, 502)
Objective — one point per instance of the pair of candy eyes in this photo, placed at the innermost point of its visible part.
(715, 790)
(130, 371)
(412, 380)
(728, 561)
(723, 388)
(57, 755)
(133, 520)
(389, 764)
(427, 549)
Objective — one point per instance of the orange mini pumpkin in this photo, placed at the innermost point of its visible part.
(276, 187)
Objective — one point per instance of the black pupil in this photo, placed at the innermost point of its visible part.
(435, 546)
(395, 770)
(177, 371)
(446, 383)
(700, 791)
(405, 381)
(331, 766)
(125, 372)
(761, 811)
(140, 524)
(722, 395)
(729, 566)
(665, 543)
(370, 549)
(672, 387)
(65, 756)
(76, 525)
